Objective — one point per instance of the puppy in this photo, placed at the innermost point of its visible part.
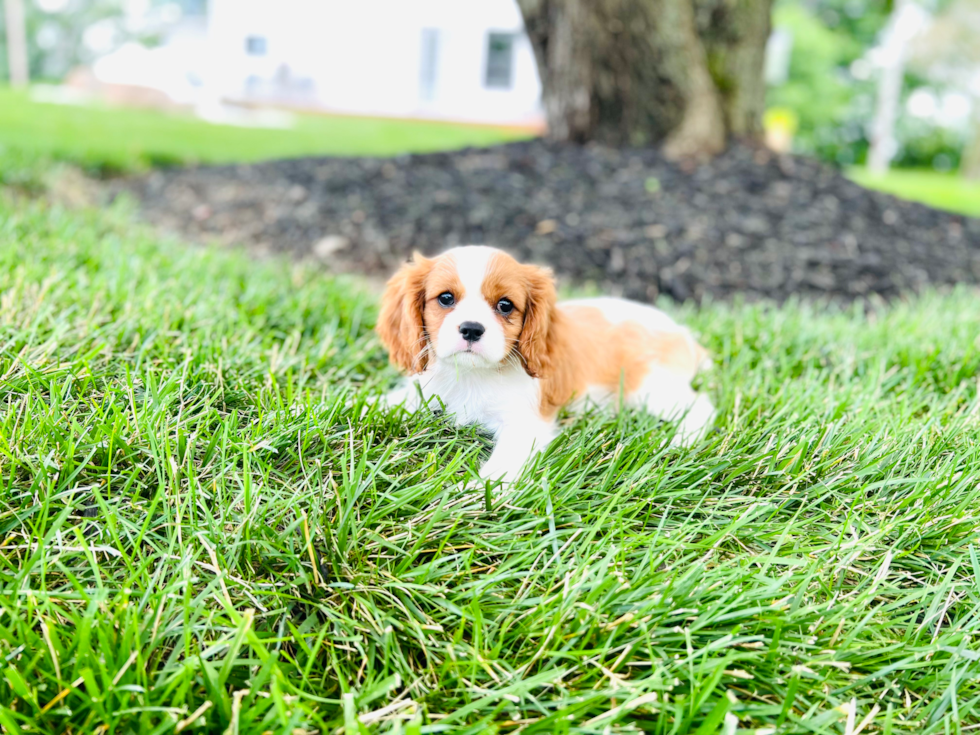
(485, 335)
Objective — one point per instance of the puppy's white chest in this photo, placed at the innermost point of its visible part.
(488, 398)
(473, 407)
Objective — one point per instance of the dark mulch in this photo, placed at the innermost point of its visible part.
(749, 222)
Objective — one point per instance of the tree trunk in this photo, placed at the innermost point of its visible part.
(894, 51)
(686, 73)
(16, 42)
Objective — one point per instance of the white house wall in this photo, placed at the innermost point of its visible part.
(365, 56)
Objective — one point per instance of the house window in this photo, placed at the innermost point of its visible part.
(256, 46)
(193, 7)
(429, 64)
(500, 60)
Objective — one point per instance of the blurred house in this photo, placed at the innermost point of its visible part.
(434, 59)
(415, 58)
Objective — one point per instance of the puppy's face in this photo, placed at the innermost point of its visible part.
(473, 307)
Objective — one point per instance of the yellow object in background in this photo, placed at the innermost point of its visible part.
(780, 125)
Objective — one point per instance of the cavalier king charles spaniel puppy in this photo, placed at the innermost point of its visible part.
(485, 335)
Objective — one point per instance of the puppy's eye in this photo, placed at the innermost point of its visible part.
(505, 306)
(447, 299)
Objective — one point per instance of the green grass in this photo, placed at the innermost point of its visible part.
(943, 191)
(199, 527)
(107, 139)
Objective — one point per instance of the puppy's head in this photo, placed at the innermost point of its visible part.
(472, 307)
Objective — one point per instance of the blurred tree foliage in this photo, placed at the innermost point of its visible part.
(830, 92)
(949, 52)
(821, 92)
(62, 34)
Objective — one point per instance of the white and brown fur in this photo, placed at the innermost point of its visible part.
(532, 361)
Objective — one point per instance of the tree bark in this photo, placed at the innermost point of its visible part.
(16, 42)
(685, 73)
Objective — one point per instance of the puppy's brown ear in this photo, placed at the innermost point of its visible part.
(535, 342)
(400, 324)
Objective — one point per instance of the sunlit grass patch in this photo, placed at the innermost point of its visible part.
(109, 140)
(939, 190)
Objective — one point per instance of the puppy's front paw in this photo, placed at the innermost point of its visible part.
(500, 472)
(492, 476)
(482, 493)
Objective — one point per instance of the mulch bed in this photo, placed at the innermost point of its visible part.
(749, 222)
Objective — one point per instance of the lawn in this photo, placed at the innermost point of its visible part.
(940, 190)
(106, 139)
(202, 532)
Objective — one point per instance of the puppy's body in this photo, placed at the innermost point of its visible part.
(484, 334)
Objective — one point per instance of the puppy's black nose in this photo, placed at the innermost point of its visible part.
(471, 331)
